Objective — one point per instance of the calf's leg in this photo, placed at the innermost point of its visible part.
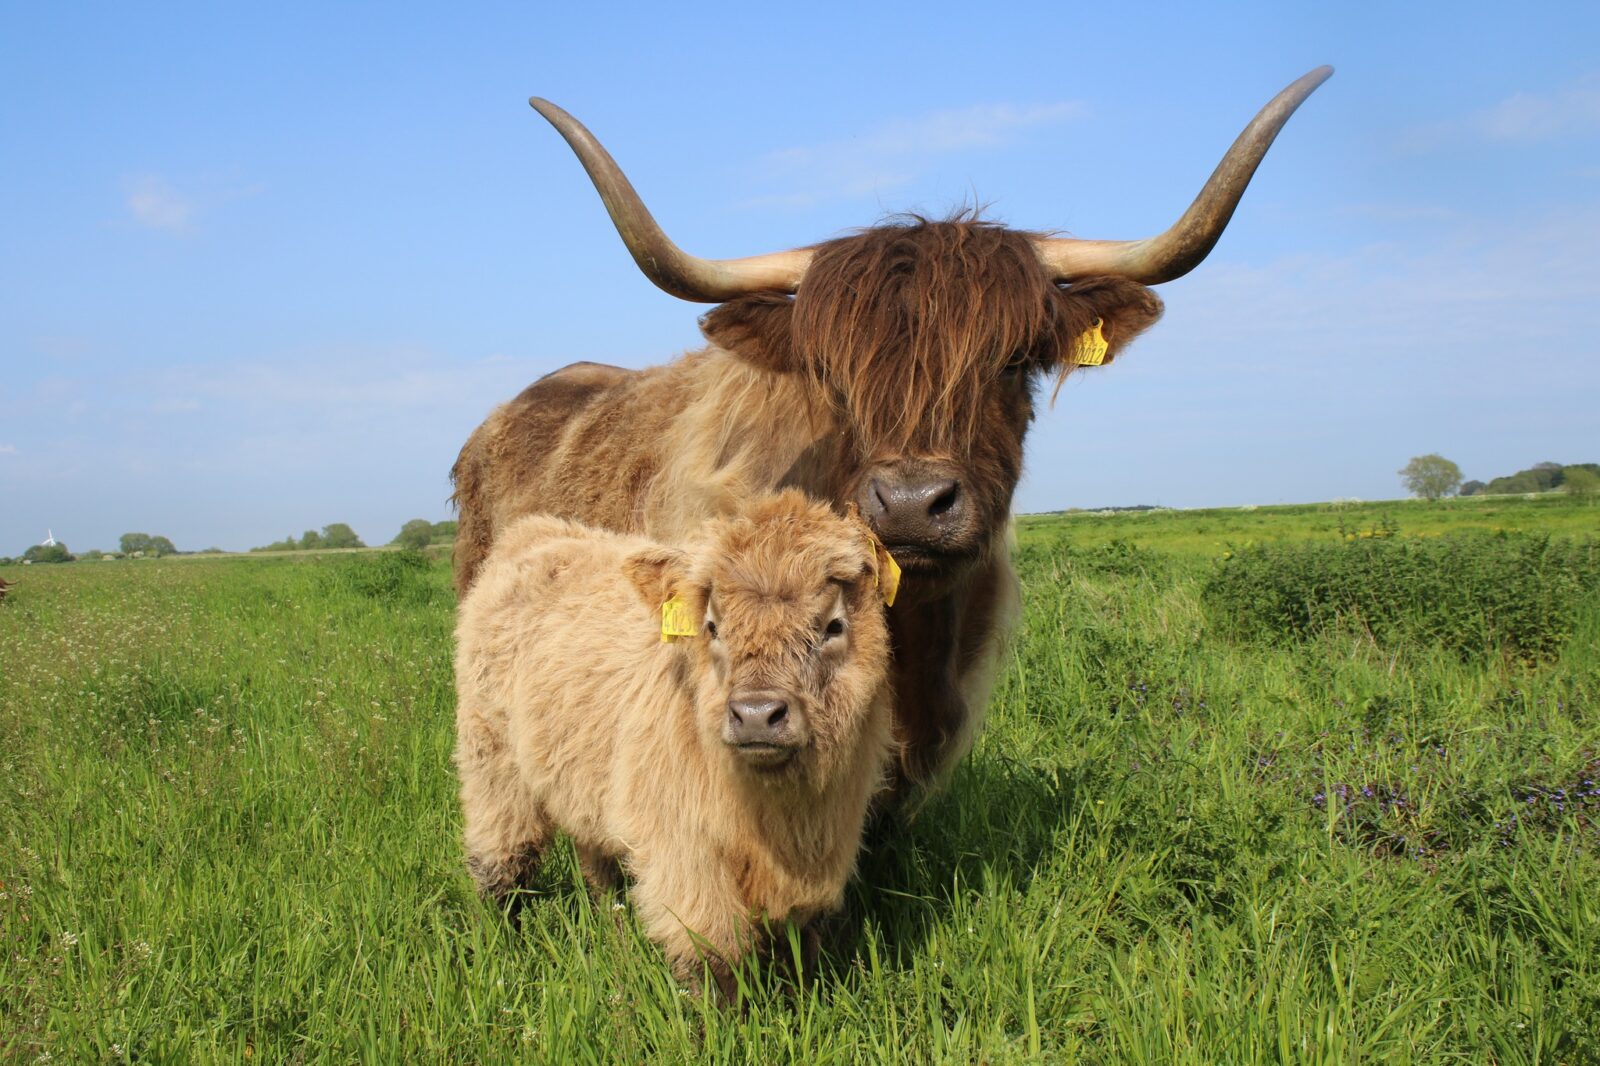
(506, 831)
(599, 870)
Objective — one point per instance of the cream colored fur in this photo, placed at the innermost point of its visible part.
(573, 715)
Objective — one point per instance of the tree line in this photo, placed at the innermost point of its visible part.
(1433, 476)
(333, 535)
(129, 546)
(417, 533)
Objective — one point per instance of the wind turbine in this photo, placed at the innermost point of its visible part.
(49, 538)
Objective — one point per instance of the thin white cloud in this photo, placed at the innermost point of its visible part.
(154, 203)
(1482, 299)
(8, 449)
(897, 152)
(1521, 118)
(1535, 117)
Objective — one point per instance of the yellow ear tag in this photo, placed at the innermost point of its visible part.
(886, 575)
(676, 621)
(889, 579)
(1091, 346)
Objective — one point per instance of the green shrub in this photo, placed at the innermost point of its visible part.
(392, 577)
(1115, 558)
(1475, 595)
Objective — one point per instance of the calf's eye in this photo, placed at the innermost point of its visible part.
(834, 628)
(711, 629)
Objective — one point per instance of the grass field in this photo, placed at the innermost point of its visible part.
(228, 833)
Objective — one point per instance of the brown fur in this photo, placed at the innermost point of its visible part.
(574, 715)
(911, 343)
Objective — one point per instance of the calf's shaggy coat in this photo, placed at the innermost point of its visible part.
(728, 772)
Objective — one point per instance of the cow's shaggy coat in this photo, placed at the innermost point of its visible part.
(911, 344)
(892, 369)
(574, 715)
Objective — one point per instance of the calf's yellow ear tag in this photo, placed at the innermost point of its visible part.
(889, 579)
(676, 621)
(1090, 347)
(886, 574)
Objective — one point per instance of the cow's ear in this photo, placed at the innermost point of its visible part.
(656, 573)
(758, 329)
(1123, 308)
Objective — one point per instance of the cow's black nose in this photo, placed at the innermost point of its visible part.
(913, 510)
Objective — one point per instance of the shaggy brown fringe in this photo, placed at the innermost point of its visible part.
(908, 323)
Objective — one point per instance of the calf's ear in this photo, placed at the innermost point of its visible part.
(1123, 308)
(757, 328)
(656, 573)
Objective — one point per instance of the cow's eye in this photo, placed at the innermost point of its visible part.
(833, 629)
(1016, 364)
(711, 629)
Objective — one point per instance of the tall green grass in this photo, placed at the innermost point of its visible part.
(1514, 594)
(228, 833)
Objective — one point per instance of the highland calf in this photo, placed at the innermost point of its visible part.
(712, 720)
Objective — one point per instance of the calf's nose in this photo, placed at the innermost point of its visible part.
(913, 510)
(758, 720)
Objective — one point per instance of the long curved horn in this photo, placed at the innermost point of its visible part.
(1180, 249)
(670, 267)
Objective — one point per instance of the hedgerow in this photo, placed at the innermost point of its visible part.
(1512, 594)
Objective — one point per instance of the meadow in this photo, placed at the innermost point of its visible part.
(228, 828)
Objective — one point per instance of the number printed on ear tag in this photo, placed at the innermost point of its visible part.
(676, 621)
(1091, 346)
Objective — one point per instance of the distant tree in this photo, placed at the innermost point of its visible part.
(287, 544)
(1581, 482)
(48, 553)
(92, 554)
(1472, 488)
(417, 533)
(311, 539)
(444, 532)
(1549, 475)
(1521, 481)
(144, 542)
(1430, 476)
(339, 535)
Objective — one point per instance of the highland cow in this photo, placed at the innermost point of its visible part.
(894, 369)
(711, 720)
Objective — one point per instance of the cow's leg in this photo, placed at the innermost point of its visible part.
(929, 711)
(947, 654)
(600, 870)
(506, 831)
(700, 920)
(990, 612)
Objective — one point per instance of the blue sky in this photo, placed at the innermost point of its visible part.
(265, 268)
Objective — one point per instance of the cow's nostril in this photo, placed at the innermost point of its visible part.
(756, 720)
(879, 497)
(945, 500)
